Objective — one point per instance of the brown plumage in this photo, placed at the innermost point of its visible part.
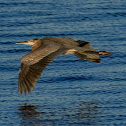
(44, 51)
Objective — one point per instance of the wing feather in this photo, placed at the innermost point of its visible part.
(39, 53)
(33, 64)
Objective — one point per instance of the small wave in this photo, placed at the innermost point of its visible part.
(8, 68)
(44, 35)
(83, 78)
(116, 14)
(14, 50)
(68, 78)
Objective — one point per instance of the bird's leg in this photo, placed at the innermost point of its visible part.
(104, 53)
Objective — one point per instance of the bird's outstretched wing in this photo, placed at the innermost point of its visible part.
(34, 63)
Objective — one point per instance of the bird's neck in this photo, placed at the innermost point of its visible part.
(37, 44)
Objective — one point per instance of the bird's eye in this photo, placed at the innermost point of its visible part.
(35, 39)
(32, 40)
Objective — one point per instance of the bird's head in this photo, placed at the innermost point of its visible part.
(29, 42)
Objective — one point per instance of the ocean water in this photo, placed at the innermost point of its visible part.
(70, 92)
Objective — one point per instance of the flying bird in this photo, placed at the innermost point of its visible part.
(44, 51)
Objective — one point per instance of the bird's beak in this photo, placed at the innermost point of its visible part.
(25, 42)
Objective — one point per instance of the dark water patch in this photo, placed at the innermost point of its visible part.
(80, 113)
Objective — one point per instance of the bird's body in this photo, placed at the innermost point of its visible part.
(44, 51)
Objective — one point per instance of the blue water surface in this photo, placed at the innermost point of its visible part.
(70, 92)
